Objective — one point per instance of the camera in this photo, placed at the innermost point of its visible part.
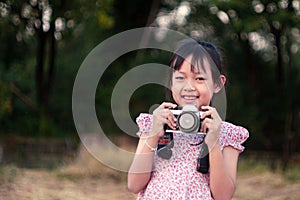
(188, 120)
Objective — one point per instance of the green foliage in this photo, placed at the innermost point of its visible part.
(18, 62)
(260, 43)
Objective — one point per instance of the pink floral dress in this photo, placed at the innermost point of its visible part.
(177, 177)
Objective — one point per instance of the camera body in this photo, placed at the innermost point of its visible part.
(188, 120)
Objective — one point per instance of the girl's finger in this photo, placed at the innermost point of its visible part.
(171, 125)
(168, 118)
(168, 105)
(206, 107)
(206, 111)
(171, 121)
(211, 112)
(206, 124)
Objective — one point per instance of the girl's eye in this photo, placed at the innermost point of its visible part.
(200, 79)
(179, 78)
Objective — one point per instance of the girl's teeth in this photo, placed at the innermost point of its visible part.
(189, 97)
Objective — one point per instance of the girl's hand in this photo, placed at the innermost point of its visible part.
(161, 116)
(211, 124)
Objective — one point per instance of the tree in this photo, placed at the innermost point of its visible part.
(43, 23)
(44, 42)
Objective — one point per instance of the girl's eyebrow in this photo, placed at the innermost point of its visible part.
(181, 72)
(198, 73)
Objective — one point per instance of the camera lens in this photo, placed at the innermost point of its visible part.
(188, 122)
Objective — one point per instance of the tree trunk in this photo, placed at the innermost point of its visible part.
(39, 72)
(51, 67)
(279, 72)
(44, 75)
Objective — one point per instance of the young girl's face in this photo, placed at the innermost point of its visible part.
(193, 86)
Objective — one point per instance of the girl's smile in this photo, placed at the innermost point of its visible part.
(192, 87)
(190, 97)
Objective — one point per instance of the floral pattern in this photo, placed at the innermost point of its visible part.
(177, 177)
(144, 122)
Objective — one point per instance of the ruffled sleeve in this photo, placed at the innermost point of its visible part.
(232, 135)
(144, 122)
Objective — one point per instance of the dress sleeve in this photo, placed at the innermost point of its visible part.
(232, 135)
(144, 122)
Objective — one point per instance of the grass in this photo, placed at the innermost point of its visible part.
(293, 173)
(248, 165)
(8, 174)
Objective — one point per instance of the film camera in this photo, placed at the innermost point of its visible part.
(188, 122)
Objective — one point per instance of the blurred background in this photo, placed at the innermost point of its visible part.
(44, 42)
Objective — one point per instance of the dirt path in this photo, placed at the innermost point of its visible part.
(26, 184)
(267, 185)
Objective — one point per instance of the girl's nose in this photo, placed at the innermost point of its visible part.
(189, 87)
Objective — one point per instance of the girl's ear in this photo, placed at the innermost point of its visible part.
(219, 86)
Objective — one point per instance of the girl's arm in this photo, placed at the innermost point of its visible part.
(141, 167)
(223, 163)
(223, 169)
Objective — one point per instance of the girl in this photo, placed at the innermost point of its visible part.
(196, 77)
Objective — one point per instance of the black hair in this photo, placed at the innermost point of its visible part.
(200, 51)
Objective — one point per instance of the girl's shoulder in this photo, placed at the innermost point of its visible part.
(144, 122)
(233, 135)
